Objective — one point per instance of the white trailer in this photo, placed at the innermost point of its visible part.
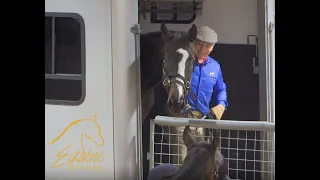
(92, 116)
(91, 113)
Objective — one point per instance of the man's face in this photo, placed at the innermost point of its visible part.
(202, 49)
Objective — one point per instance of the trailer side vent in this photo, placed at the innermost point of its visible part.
(174, 12)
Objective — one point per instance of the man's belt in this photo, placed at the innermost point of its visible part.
(199, 115)
(196, 115)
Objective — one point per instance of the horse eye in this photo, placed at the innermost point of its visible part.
(164, 61)
(186, 158)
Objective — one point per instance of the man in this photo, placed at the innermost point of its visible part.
(207, 80)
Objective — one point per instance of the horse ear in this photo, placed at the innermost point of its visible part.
(193, 33)
(187, 137)
(164, 31)
(215, 143)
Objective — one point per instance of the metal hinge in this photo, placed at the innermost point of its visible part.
(148, 156)
(255, 66)
(135, 29)
(271, 26)
(255, 59)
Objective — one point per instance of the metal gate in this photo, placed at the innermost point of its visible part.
(247, 145)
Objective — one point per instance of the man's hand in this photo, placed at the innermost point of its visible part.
(218, 111)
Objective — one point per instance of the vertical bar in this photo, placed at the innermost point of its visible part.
(53, 45)
(272, 55)
(151, 149)
(262, 45)
(245, 155)
(229, 135)
(169, 129)
(137, 30)
(254, 153)
(238, 169)
(271, 79)
(263, 75)
(272, 97)
(178, 143)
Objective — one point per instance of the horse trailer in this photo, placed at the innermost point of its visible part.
(93, 104)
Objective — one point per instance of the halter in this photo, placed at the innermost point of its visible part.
(214, 174)
(186, 85)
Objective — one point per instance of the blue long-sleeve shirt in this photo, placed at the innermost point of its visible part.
(207, 81)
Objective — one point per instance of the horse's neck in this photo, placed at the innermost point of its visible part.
(67, 133)
(186, 177)
(151, 64)
(219, 159)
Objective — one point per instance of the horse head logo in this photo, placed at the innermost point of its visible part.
(90, 130)
(70, 155)
(96, 138)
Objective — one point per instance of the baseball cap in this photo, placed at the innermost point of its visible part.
(207, 35)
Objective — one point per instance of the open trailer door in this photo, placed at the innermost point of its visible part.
(270, 11)
(126, 86)
(248, 146)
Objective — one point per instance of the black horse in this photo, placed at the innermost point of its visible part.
(166, 68)
(164, 54)
(203, 161)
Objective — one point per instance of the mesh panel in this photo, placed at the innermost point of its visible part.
(250, 154)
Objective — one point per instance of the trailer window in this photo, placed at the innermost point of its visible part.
(64, 59)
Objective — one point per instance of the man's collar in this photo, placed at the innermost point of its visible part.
(202, 61)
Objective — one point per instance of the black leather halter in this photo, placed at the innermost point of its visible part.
(167, 82)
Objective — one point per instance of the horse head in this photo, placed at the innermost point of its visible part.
(200, 161)
(97, 137)
(177, 66)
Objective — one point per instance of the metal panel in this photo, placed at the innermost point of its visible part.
(241, 145)
(261, 9)
(96, 108)
(242, 83)
(124, 15)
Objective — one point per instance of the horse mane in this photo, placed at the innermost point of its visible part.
(155, 38)
(157, 34)
(65, 130)
(68, 127)
(151, 59)
(184, 173)
(177, 34)
(193, 169)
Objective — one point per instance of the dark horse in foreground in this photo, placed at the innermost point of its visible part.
(166, 68)
(203, 161)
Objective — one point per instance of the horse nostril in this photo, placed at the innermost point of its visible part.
(181, 103)
(170, 103)
(181, 100)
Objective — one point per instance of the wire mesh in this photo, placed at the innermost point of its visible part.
(250, 154)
